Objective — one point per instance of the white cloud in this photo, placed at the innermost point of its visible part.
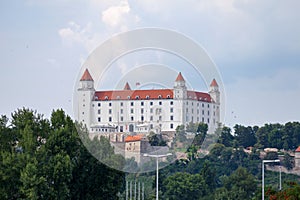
(120, 16)
(75, 34)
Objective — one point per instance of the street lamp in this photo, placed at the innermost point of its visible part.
(263, 175)
(157, 156)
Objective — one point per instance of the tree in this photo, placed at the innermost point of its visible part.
(239, 185)
(184, 186)
(180, 133)
(226, 138)
(156, 139)
(245, 136)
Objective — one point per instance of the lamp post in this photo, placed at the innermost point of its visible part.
(157, 156)
(263, 175)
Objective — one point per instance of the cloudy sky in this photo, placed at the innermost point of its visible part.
(255, 45)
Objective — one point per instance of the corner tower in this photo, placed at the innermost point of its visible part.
(180, 91)
(214, 91)
(86, 92)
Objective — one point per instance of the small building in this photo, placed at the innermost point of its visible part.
(136, 146)
(297, 158)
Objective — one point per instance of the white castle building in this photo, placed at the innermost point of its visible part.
(141, 111)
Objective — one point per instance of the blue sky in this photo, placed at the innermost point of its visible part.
(255, 45)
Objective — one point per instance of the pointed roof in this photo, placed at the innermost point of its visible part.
(86, 76)
(214, 83)
(179, 77)
(127, 87)
(298, 149)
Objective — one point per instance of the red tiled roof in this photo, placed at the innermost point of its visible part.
(133, 94)
(86, 76)
(147, 94)
(214, 83)
(127, 87)
(200, 96)
(298, 149)
(133, 138)
(179, 77)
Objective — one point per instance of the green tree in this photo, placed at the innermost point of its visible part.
(184, 186)
(239, 185)
(226, 138)
(245, 136)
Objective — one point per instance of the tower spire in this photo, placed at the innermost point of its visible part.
(86, 76)
(127, 87)
(179, 77)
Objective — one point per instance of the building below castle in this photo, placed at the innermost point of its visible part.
(142, 111)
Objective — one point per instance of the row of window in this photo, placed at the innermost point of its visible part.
(132, 103)
(187, 111)
(132, 118)
(157, 111)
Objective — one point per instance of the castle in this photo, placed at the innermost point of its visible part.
(142, 111)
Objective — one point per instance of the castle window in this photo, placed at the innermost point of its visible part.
(168, 96)
(142, 103)
(83, 113)
(83, 105)
(96, 97)
(208, 105)
(192, 110)
(109, 104)
(160, 103)
(142, 118)
(171, 110)
(171, 125)
(121, 103)
(151, 118)
(99, 119)
(159, 96)
(99, 104)
(203, 119)
(132, 118)
(142, 110)
(151, 126)
(200, 98)
(151, 110)
(109, 111)
(99, 111)
(214, 113)
(109, 119)
(118, 97)
(128, 97)
(208, 112)
(147, 97)
(171, 118)
(151, 103)
(131, 110)
(202, 112)
(208, 120)
(121, 111)
(137, 97)
(171, 102)
(106, 97)
(203, 105)
(131, 103)
(160, 118)
(121, 118)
